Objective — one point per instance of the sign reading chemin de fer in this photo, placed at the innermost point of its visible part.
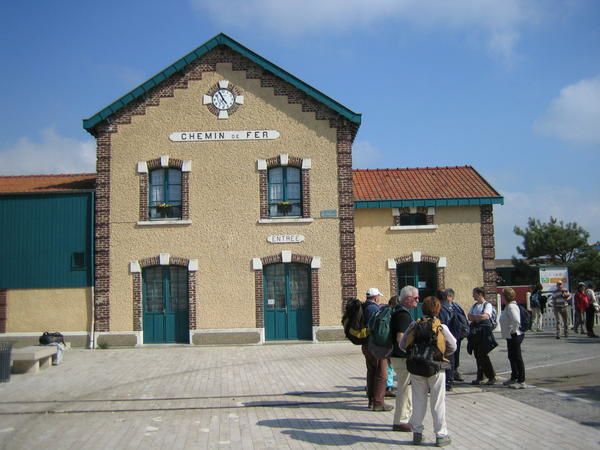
(211, 136)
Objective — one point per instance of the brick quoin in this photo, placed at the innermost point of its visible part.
(488, 252)
(3, 310)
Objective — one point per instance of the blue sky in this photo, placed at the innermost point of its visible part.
(510, 87)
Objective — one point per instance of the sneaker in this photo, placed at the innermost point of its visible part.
(509, 382)
(517, 386)
(476, 382)
(448, 388)
(458, 376)
(491, 381)
(390, 393)
(417, 438)
(442, 441)
(404, 427)
(384, 407)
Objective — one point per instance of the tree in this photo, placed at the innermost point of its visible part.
(557, 243)
(553, 242)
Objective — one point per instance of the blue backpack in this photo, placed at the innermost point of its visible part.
(525, 319)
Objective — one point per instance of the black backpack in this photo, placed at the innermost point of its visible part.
(424, 358)
(51, 338)
(525, 319)
(355, 328)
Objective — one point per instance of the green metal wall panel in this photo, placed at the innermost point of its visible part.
(40, 235)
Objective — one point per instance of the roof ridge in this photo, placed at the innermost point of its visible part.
(50, 175)
(413, 168)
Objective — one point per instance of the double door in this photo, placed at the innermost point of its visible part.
(423, 276)
(166, 310)
(287, 302)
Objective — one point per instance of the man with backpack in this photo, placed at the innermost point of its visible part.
(376, 365)
(428, 344)
(400, 321)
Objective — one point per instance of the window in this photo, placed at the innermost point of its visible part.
(413, 219)
(165, 194)
(285, 192)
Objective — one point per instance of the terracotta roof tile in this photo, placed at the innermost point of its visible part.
(420, 183)
(25, 184)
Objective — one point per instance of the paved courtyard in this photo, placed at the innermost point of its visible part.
(255, 397)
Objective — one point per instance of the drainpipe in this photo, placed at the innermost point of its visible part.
(92, 271)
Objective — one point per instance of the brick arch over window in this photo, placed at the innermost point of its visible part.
(282, 161)
(313, 261)
(156, 261)
(441, 271)
(164, 162)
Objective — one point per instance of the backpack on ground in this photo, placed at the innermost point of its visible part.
(494, 316)
(424, 355)
(51, 338)
(525, 319)
(355, 328)
(380, 327)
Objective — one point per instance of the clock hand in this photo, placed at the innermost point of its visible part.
(222, 98)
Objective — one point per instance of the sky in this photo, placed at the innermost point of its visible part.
(509, 87)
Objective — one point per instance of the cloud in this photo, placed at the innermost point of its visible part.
(574, 116)
(498, 20)
(366, 156)
(52, 154)
(562, 202)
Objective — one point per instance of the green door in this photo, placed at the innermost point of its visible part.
(166, 315)
(288, 305)
(423, 276)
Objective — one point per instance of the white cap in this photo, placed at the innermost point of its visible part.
(373, 292)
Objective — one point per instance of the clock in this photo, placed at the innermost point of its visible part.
(223, 99)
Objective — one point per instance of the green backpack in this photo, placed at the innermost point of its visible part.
(380, 327)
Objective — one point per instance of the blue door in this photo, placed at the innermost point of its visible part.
(166, 315)
(288, 303)
(421, 275)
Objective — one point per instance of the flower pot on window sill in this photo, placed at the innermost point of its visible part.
(284, 208)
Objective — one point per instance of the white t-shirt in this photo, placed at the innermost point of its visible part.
(478, 309)
(510, 320)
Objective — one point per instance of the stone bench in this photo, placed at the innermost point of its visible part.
(32, 359)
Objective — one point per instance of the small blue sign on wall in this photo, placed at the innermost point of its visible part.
(329, 213)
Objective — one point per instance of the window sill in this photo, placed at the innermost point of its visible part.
(287, 220)
(163, 222)
(412, 227)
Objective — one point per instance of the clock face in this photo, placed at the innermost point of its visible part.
(223, 99)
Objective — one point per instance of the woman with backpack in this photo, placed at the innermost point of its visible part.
(510, 326)
(428, 343)
(481, 339)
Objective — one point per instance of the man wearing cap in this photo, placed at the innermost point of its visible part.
(376, 367)
(560, 297)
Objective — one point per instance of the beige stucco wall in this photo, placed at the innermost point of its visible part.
(458, 238)
(224, 200)
(48, 310)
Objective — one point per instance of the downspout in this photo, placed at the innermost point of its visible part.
(92, 344)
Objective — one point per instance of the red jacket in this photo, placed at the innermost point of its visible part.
(581, 301)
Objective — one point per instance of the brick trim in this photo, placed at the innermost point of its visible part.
(102, 228)
(3, 310)
(137, 290)
(154, 164)
(345, 136)
(440, 274)
(488, 252)
(259, 287)
(263, 180)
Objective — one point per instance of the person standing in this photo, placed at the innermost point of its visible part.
(481, 337)
(376, 367)
(560, 297)
(401, 320)
(581, 306)
(592, 309)
(510, 321)
(447, 317)
(535, 301)
(459, 329)
(434, 385)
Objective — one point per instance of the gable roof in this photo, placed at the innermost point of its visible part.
(45, 184)
(182, 63)
(429, 186)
